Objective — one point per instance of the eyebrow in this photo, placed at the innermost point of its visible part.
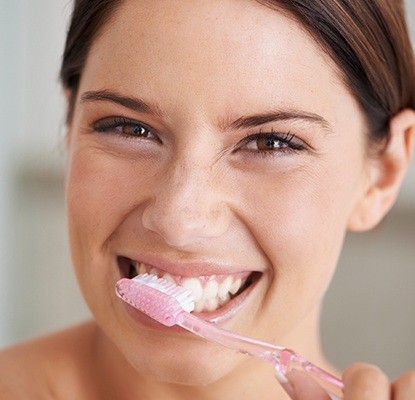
(289, 114)
(133, 103)
(250, 121)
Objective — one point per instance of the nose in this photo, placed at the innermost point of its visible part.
(187, 206)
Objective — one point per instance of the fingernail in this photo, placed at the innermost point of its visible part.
(282, 379)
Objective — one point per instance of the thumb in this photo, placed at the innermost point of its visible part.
(300, 386)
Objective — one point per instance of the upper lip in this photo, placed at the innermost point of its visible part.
(189, 267)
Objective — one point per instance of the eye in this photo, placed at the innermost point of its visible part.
(125, 127)
(271, 143)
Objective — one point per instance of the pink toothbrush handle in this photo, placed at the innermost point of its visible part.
(289, 360)
(283, 359)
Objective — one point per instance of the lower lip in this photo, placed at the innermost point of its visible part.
(218, 317)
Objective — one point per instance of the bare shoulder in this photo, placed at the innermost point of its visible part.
(43, 367)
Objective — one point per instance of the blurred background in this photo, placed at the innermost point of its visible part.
(370, 307)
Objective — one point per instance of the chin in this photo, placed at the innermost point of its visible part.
(199, 365)
(192, 375)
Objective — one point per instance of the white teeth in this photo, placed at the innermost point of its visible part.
(208, 298)
(235, 286)
(168, 278)
(199, 305)
(194, 285)
(211, 290)
(212, 304)
(142, 269)
(224, 299)
(225, 286)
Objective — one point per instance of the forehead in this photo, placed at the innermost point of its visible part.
(231, 53)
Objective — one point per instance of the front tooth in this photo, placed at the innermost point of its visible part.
(199, 305)
(235, 286)
(142, 269)
(224, 299)
(168, 278)
(194, 285)
(211, 290)
(225, 286)
(153, 271)
(212, 304)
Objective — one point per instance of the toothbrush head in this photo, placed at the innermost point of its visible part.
(159, 299)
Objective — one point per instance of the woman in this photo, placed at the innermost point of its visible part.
(231, 143)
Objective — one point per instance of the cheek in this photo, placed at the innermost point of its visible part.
(101, 191)
(302, 208)
(303, 234)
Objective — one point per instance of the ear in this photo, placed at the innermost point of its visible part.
(67, 93)
(385, 174)
(68, 97)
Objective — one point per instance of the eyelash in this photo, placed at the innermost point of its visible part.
(288, 142)
(118, 124)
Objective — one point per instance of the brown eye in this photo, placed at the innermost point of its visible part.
(125, 127)
(135, 130)
(269, 142)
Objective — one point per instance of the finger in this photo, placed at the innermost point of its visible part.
(404, 387)
(365, 382)
(305, 387)
(300, 386)
(286, 385)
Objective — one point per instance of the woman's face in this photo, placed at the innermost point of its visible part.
(214, 141)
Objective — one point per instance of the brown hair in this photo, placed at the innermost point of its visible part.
(87, 18)
(367, 39)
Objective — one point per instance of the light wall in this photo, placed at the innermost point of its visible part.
(369, 313)
(33, 243)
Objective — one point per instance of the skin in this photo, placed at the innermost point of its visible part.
(194, 192)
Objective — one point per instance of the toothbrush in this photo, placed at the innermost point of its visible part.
(170, 304)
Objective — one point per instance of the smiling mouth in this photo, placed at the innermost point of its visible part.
(211, 292)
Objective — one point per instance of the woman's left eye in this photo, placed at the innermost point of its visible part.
(266, 143)
(125, 127)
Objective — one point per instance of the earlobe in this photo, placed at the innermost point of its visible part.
(67, 94)
(385, 174)
(68, 97)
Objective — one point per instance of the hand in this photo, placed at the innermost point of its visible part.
(361, 382)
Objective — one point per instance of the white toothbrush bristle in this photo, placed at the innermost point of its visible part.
(183, 296)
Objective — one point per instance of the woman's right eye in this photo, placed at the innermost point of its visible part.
(125, 127)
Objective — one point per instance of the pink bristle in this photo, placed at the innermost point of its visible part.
(162, 307)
